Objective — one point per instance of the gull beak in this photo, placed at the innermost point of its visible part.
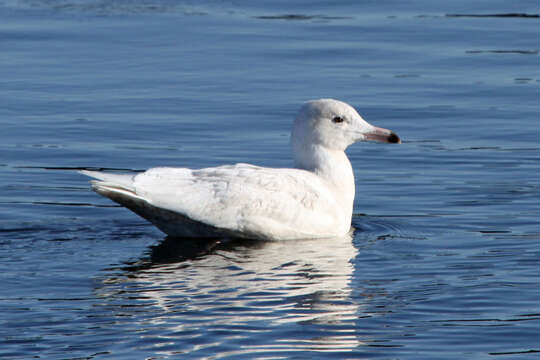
(382, 135)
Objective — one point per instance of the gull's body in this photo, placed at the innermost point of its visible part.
(313, 200)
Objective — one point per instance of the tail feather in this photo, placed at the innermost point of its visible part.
(120, 189)
(117, 187)
(123, 181)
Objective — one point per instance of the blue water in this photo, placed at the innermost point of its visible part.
(445, 259)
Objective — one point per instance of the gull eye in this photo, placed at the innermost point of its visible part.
(337, 119)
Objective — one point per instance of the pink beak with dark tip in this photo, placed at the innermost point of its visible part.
(382, 135)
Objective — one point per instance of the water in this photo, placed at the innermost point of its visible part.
(444, 262)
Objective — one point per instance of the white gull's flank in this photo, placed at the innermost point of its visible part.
(312, 200)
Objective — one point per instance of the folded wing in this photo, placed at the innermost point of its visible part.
(241, 199)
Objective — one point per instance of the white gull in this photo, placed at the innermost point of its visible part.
(313, 200)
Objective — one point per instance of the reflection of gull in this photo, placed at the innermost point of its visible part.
(296, 292)
(313, 200)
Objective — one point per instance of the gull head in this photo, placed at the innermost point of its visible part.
(334, 125)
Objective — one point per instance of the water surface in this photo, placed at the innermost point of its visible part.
(444, 260)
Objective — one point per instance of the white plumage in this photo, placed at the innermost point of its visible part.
(313, 200)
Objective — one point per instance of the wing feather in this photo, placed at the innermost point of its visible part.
(255, 200)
